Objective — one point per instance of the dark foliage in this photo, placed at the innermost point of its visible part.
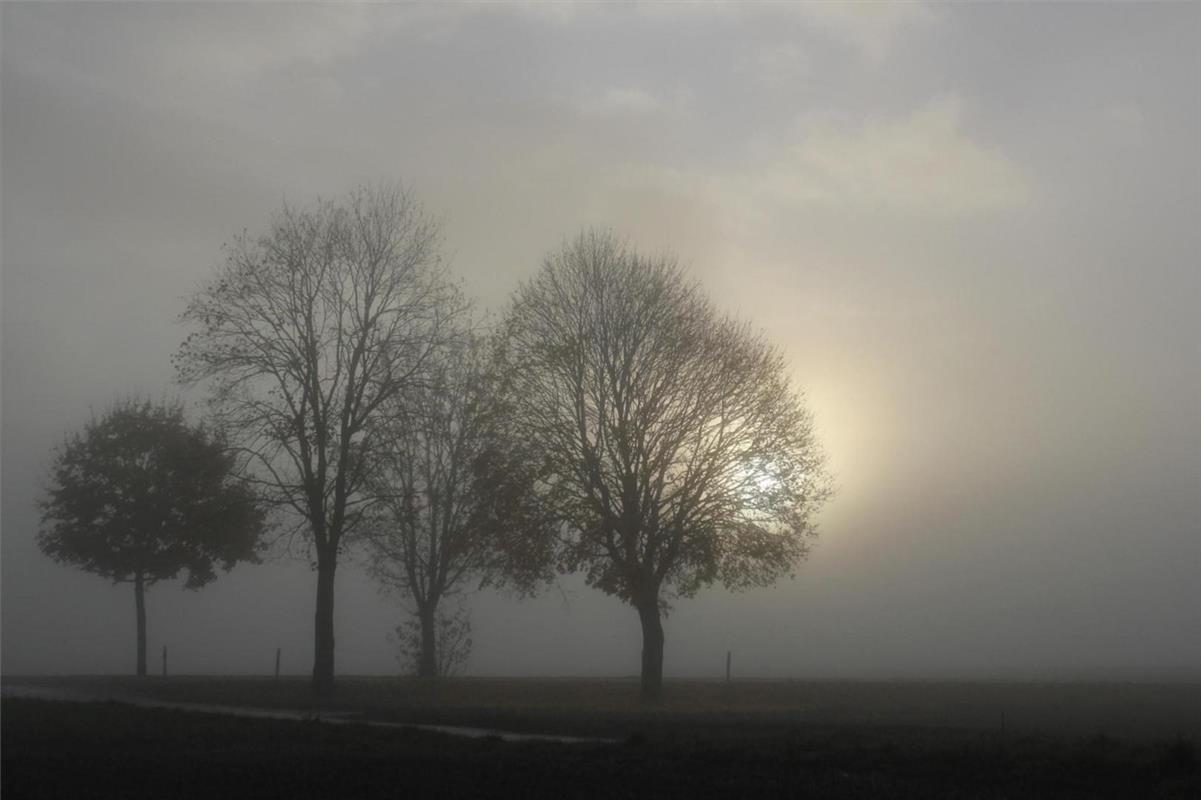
(141, 495)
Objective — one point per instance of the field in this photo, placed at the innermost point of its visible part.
(825, 739)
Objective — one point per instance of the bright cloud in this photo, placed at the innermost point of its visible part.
(921, 164)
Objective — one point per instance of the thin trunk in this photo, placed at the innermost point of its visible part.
(323, 641)
(652, 651)
(139, 594)
(427, 664)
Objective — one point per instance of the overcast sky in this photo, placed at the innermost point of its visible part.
(975, 230)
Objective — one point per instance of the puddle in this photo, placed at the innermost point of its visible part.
(297, 715)
(480, 733)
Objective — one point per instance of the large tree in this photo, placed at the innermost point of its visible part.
(458, 510)
(140, 496)
(306, 335)
(674, 450)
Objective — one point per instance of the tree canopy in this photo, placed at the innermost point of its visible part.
(673, 447)
(456, 510)
(305, 336)
(140, 492)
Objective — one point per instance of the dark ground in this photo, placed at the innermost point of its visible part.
(708, 739)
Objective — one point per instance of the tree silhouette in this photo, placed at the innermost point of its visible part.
(452, 635)
(140, 496)
(306, 335)
(456, 510)
(672, 446)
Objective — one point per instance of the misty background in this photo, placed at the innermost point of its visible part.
(974, 230)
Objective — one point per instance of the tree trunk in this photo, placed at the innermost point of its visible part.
(427, 664)
(323, 640)
(139, 595)
(652, 652)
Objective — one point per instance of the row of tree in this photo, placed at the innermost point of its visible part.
(613, 424)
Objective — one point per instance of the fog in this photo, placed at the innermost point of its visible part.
(974, 231)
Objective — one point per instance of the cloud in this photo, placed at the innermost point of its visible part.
(776, 65)
(270, 39)
(1126, 120)
(870, 28)
(923, 164)
(920, 165)
(621, 100)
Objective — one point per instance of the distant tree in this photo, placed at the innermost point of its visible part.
(140, 496)
(306, 336)
(452, 636)
(457, 510)
(673, 448)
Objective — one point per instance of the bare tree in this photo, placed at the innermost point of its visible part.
(305, 335)
(457, 511)
(673, 448)
(453, 642)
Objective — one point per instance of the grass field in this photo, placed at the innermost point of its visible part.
(823, 739)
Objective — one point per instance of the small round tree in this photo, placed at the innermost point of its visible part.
(139, 496)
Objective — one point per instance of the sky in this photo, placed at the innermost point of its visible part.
(973, 230)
